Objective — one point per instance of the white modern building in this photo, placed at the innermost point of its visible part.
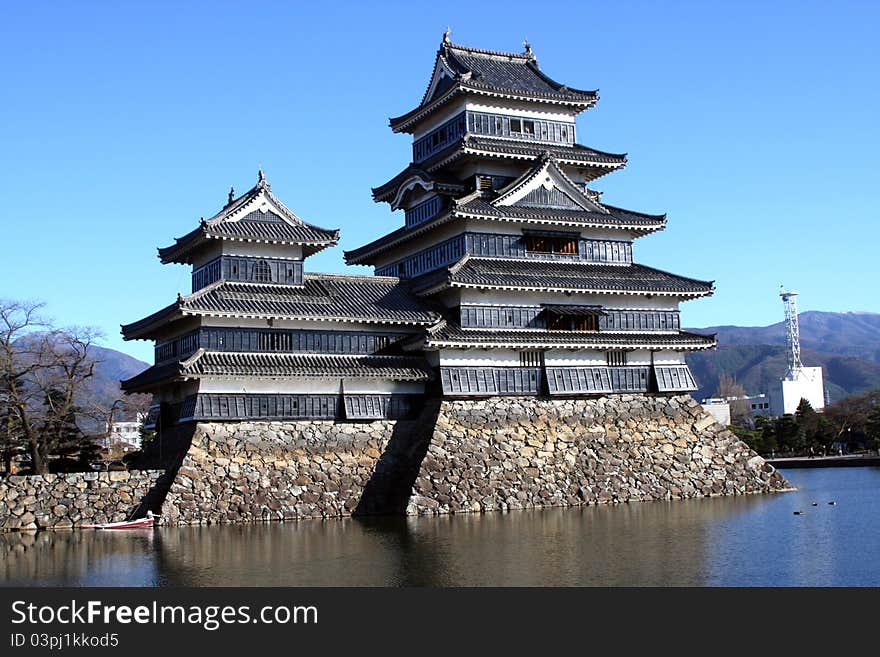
(799, 382)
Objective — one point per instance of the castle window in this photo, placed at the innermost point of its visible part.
(615, 358)
(565, 322)
(530, 359)
(528, 127)
(550, 244)
(262, 272)
(515, 125)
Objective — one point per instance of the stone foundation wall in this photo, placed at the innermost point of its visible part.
(464, 456)
(256, 471)
(65, 501)
(519, 453)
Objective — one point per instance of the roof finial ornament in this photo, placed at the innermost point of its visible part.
(447, 34)
(231, 195)
(527, 46)
(261, 177)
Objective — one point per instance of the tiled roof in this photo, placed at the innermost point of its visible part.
(487, 72)
(371, 299)
(430, 169)
(267, 365)
(508, 71)
(571, 154)
(497, 273)
(255, 216)
(151, 376)
(616, 218)
(398, 368)
(439, 180)
(450, 334)
(312, 238)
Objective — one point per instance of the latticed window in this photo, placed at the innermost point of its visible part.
(616, 358)
(561, 322)
(262, 272)
(551, 244)
(530, 359)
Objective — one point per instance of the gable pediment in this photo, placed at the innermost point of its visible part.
(414, 184)
(547, 186)
(441, 80)
(259, 205)
(549, 196)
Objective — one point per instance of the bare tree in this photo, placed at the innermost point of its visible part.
(62, 385)
(734, 394)
(43, 374)
(20, 360)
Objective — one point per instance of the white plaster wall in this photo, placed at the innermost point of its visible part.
(479, 357)
(497, 167)
(387, 387)
(438, 118)
(208, 252)
(580, 358)
(495, 106)
(254, 249)
(638, 357)
(668, 358)
(519, 108)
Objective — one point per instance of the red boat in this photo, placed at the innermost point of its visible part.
(148, 521)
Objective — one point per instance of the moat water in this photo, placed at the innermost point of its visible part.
(737, 541)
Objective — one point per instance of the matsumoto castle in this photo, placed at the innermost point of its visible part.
(509, 276)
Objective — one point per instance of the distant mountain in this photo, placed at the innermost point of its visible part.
(841, 334)
(846, 345)
(112, 367)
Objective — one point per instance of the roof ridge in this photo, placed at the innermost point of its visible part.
(196, 356)
(485, 51)
(202, 291)
(711, 284)
(317, 275)
(608, 206)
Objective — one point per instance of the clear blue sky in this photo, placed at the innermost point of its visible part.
(753, 125)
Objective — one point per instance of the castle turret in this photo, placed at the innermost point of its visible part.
(258, 338)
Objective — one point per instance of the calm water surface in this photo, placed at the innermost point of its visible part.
(740, 541)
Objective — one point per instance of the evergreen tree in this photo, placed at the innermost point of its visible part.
(872, 429)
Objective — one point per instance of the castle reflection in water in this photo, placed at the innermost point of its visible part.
(647, 544)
